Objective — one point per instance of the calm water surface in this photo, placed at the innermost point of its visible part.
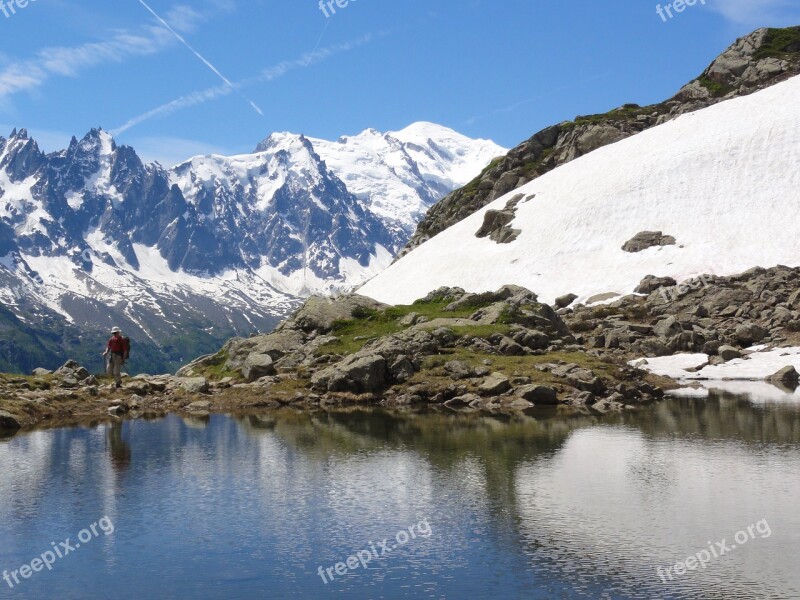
(536, 506)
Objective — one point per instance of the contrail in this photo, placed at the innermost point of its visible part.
(200, 56)
(265, 76)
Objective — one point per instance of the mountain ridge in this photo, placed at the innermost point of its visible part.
(222, 245)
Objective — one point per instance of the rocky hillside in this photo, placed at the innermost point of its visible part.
(759, 60)
(717, 316)
(500, 351)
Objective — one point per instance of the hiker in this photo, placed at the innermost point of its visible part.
(115, 350)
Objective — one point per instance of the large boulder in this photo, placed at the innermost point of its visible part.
(358, 374)
(648, 239)
(494, 385)
(651, 283)
(194, 385)
(566, 300)
(8, 422)
(458, 369)
(727, 353)
(750, 333)
(538, 394)
(320, 313)
(257, 366)
(787, 374)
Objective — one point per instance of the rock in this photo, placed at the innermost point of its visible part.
(515, 403)
(358, 374)
(566, 300)
(538, 394)
(41, 372)
(462, 401)
(8, 422)
(320, 313)
(583, 399)
(68, 368)
(601, 297)
(713, 347)
(563, 370)
(727, 353)
(585, 381)
(194, 385)
(509, 347)
(651, 283)
(458, 369)
(69, 383)
(257, 366)
(494, 385)
(82, 374)
(117, 409)
(750, 333)
(647, 239)
(608, 405)
(200, 406)
(402, 369)
(496, 226)
(667, 328)
(411, 319)
(787, 374)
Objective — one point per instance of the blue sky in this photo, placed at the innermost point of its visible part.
(498, 69)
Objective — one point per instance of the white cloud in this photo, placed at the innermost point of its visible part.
(69, 61)
(758, 13)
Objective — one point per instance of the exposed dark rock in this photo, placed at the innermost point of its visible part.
(566, 300)
(538, 394)
(647, 239)
(8, 422)
(652, 283)
(788, 375)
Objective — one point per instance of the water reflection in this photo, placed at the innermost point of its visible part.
(539, 505)
(119, 449)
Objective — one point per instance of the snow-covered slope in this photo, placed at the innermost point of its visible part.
(724, 181)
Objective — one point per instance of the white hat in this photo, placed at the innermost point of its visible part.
(116, 330)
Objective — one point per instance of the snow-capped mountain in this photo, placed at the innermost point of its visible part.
(216, 246)
(400, 175)
(721, 185)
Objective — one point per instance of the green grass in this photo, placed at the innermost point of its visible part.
(370, 324)
(216, 371)
(780, 43)
(716, 89)
(623, 113)
(44, 382)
